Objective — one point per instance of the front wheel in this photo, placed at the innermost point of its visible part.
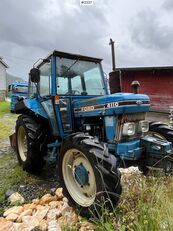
(85, 183)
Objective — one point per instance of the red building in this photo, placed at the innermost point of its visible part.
(157, 82)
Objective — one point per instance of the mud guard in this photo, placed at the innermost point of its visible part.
(13, 141)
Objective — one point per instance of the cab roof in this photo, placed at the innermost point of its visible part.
(70, 56)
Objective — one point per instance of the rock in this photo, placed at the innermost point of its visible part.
(29, 206)
(43, 225)
(24, 213)
(86, 226)
(15, 209)
(65, 200)
(54, 204)
(17, 226)
(2, 219)
(47, 198)
(30, 222)
(66, 210)
(40, 207)
(35, 201)
(40, 214)
(59, 193)
(26, 219)
(53, 214)
(52, 191)
(8, 193)
(6, 225)
(69, 219)
(21, 227)
(16, 197)
(12, 217)
(54, 226)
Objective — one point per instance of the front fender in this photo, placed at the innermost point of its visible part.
(27, 105)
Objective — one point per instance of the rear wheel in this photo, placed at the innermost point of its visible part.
(30, 144)
(85, 183)
(164, 132)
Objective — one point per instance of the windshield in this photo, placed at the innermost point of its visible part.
(20, 89)
(78, 77)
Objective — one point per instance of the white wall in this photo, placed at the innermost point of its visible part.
(2, 77)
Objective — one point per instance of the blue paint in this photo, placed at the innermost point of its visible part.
(81, 175)
(102, 101)
(35, 106)
(130, 150)
(110, 127)
(54, 92)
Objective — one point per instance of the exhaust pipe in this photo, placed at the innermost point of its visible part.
(113, 54)
(135, 87)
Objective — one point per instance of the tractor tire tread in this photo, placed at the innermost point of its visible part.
(36, 148)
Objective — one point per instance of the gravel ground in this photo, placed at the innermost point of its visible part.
(33, 186)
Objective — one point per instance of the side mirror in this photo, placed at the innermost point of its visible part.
(35, 75)
(9, 87)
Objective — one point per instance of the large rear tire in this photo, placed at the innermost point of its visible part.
(30, 144)
(161, 130)
(165, 132)
(87, 185)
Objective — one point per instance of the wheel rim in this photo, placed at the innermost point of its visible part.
(22, 143)
(83, 195)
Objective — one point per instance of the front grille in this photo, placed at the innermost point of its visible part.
(132, 117)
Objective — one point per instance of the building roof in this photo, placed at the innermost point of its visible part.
(162, 68)
(3, 63)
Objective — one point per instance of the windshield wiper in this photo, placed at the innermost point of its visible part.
(70, 67)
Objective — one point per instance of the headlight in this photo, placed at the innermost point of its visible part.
(143, 126)
(129, 129)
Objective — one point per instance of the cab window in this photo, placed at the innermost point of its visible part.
(45, 79)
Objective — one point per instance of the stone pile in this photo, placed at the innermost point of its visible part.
(49, 213)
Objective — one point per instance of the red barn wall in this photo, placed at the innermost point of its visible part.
(157, 84)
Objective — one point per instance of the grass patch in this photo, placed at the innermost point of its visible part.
(146, 204)
(4, 107)
(7, 121)
(11, 174)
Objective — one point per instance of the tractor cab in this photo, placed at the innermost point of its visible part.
(58, 81)
(67, 74)
(18, 90)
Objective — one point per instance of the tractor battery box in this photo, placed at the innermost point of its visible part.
(157, 151)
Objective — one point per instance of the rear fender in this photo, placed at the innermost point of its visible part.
(13, 140)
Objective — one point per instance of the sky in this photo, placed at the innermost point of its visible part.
(31, 29)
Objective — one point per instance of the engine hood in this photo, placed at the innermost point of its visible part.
(118, 103)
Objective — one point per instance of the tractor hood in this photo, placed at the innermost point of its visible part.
(118, 103)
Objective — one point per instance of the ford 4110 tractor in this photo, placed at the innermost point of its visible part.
(71, 118)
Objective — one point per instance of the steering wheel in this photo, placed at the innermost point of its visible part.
(73, 92)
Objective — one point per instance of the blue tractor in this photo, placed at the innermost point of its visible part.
(18, 90)
(70, 117)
